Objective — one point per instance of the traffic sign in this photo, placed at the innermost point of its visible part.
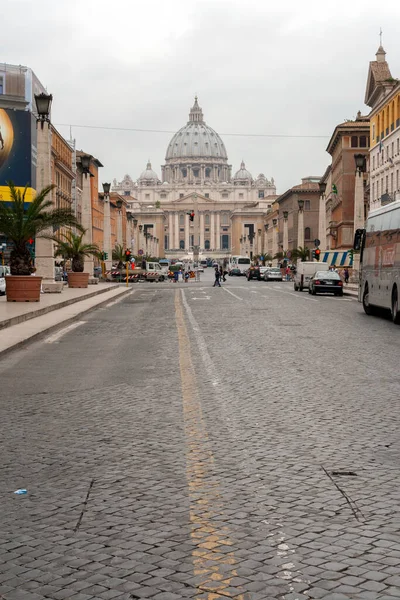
(261, 258)
(288, 254)
(317, 243)
(140, 252)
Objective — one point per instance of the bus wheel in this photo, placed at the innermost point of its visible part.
(368, 309)
(395, 307)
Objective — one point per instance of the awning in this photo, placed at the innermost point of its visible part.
(339, 258)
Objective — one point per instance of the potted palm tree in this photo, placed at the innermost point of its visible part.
(21, 221)
(72, 247)
(118, 254)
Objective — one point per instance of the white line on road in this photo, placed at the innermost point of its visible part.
(56, 336)
(232, 294)
(299, 295)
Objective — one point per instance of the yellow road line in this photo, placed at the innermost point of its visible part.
(213, 558)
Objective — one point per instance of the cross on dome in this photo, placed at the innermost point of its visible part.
(196, 114)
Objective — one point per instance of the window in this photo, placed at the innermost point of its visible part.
(373, 191)
(206, 219)
(181, 219)
(373, 131)
(261, 193)
(147, 196)
(224, 219)
(397, 179)
(387, 152)
(307, 233)
(166, 246)
(127, 193)
(180, 195)
(398, 145)
(225, 242)
(363, 141)
(392, 149)
(207, 244)
(163, 195)
(181, 244)
(2, 86)
(182, 229)
(196, 172)
(207, 229)
(373, 163)
(184, 172)
(391, 182)
(241, 195)
(387, 182)
(207, 195)
(354, 141)
(208, 172)
(224, 195)
(307, 205)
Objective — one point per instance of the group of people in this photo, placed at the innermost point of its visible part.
(220, 274)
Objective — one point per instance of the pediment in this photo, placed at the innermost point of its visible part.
(189, 198)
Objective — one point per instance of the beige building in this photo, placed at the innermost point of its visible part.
(197, 177)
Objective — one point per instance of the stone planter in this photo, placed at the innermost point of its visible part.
(23, 288)
(78, 280)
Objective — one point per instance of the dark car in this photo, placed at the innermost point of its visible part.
(326, 282)
(254, 273)
(235, 271)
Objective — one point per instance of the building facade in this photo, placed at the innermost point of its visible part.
(18, 86)
(383, 96)
(197, 176)
(348, 139)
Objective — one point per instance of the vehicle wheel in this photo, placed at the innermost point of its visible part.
(296, 287)
(314, 292)
(161, 278)
(368, 308)
(395, 307)
(309, 290)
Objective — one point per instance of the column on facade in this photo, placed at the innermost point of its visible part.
(170, 231)
(322, 222)
(300, 229)
(176, 233)
(212, 231)
(202, 230)
(218, 231)
(44, 260)
(187, 232)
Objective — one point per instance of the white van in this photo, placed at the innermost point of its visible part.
(304, 271)
(242, 263)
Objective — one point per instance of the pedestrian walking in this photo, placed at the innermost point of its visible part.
(176, 276)
(187, 276)
(217, 278)
(288, 273)
(346, 275)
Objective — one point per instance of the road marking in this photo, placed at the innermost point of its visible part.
(232, 294)
(202, 298)
(119, 299)
(59, 334)
(213, 558)
(298, 295)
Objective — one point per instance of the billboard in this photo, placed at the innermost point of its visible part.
(18, 152)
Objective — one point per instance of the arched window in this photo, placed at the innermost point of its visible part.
(208, 172)
(206, 219)
(182, 244)
(207, 244)
(354, 141)
(307, 233)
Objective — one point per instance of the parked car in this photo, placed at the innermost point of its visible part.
(4, 270)
(326, 281)
(58, 274)
(2, 286)
(304, 272)
(235, 271)
(253, 273)
(200, 269)
(273, 274)
(97, 271)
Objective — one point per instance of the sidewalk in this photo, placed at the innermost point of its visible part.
(23, 322)
(351, 289)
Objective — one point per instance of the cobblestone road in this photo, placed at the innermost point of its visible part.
(196, 442)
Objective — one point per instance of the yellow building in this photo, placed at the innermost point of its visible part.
(383, 96)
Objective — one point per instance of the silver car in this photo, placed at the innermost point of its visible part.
(2, 286)
(273, 274)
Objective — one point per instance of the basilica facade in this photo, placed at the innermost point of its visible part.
(229, 207)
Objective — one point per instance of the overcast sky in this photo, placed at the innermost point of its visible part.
(258, 67)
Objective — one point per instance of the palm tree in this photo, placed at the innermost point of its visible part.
(279, 256)
(72, 247)
(301, 253)
(119, 254)
(21, 221)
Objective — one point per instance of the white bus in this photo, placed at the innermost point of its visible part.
(239, 262)
(379, 245)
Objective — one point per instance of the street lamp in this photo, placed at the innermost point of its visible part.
(85, 163)
(266, 226)
(274, 222)
(361, 163)
(119, 203)
(43, 106)
(135, 222)
(300, 202)
(140, 227)
(322, 188)
(106, 188)
(285, 214)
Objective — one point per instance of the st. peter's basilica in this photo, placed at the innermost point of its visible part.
(229, 209)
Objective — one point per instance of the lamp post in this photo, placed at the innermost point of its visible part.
(135, 245)
(258, 248)
(285, 231)
(44, 249)
(322, 215)
(275, 247)
(196, 230)
(87, 211)
(251, 237)
(107, 227)
(118, 204)
(359, 220)
(300, 223)
(265, 248)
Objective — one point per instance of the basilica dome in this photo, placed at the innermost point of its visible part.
(196, 140)
(243, 174)
(149, 175)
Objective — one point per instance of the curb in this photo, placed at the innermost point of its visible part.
(40, 334)
(43, 311)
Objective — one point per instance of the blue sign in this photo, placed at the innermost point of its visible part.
(261, 258)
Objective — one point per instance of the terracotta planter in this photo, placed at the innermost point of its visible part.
(78, 280)
(23, 288)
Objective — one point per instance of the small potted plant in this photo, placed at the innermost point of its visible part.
(72, 247)
(21, 221)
